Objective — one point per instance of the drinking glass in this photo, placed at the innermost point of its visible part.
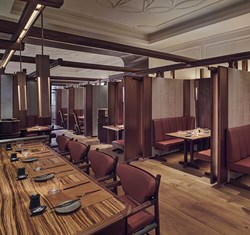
(54, 186)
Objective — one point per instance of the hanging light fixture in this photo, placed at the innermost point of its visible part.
(21, 87)
(43, 80)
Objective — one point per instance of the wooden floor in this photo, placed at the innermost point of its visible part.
(189, 205)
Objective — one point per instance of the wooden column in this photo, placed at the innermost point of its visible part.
(88, 111)
(222, 122)
(115, 106)
(245, 65)
(138, 117)
(58, 105)
(70, 109)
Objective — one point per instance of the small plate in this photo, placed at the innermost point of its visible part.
(7, 149)
(44, 177)
(30, 159)
(70, 206)
(22, 177)
(188, 135)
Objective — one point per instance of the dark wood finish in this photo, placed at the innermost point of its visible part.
(58, 105)
(55, 78)
(245, 65)
(96, 43)
(49, 3)
(146, 117)
(138, 118)
(222, 122)
(9, 128)
(198, 63)
(102, 120)
(70, 109)
(186, 98)
(5, 44)
(88, 116)
(204, 103)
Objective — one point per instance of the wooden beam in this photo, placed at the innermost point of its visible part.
(11, 45)
(97, 43)
(49, 3)
(197, 63)
(73, 78)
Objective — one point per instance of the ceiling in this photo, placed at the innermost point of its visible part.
(142, 23)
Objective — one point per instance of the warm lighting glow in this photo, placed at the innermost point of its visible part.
(39, 93)
(30, 22)
(5, 62)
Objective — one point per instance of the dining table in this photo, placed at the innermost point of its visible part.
(190, 137)
(80, 205)
(118, 128)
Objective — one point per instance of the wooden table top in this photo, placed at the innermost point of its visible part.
(191, 134)
(97, 209)
(119, 127)
(38, 128)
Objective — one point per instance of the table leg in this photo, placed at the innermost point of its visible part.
(191, 163)
(185, 162)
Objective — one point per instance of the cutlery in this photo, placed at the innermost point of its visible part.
(67, 203)
(89, 192)
(39, 168)
(73, 186)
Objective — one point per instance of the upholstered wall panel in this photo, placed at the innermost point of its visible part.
(32, 98)
(238, 97)
(167, 98)
(64, 98)
(6, 96)
(79, 99)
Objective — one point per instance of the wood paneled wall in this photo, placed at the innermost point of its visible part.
(70, 109)
(88, 119)
(58, 105)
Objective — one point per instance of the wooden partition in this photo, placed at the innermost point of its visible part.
(88, 94)
(115, 107)
(70, 108)
(138, 116)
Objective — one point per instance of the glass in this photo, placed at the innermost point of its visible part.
(54, 186)
(25, 152)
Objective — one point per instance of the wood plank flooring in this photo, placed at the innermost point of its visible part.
(189, 205)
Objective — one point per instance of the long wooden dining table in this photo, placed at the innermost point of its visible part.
(100, 212)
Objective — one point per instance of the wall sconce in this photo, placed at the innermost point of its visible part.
(21, 90)
(196, 90)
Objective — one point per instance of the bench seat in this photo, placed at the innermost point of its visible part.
(204, 155)
(168, 145)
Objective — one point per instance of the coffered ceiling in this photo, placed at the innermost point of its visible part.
(141, 23)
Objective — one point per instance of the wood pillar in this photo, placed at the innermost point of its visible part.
(245, 65)
(222, 122)
(70, 109)
(88, 116)
(138, 117)
(58, 105)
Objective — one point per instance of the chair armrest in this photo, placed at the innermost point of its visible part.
(141, 207)
(64, 153)
(114, 184)
(105, 178)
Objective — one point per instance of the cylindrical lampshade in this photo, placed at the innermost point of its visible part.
(43, 82)
(21, 90)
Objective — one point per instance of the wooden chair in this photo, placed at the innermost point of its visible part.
(63, 120)
(141, 192)
(78, 154)
(78, 125)
(103, 166)
(62, 144)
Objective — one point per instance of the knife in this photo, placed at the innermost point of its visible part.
(67, 203)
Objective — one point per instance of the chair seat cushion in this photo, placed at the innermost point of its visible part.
(242, 166)
(118, 144)
(204, 155)
(168, 144)
(138, 220)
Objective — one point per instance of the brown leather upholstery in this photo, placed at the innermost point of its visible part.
(204, 155)
(118, 144)
(167, 125)
(102, 164)
(62, 142)
(78, 151)
(238, 149)
(139, 187)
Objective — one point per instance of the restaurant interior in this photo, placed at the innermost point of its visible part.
(124, 117)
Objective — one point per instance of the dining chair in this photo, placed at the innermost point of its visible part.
(63, 120)
(103, 166)
(62, 144)
(118, 146)
(78, 125)
(140, 192)
(78, 154)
